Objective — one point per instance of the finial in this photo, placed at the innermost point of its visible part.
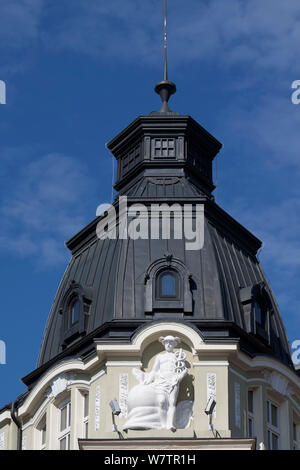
(165, 88)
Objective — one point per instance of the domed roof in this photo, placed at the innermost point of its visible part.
(115, 271)
(223, 291)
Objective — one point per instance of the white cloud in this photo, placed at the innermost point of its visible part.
(43, 207)
(20, 27)
(262, 33)
(277, 225)
(271, 124)
(20, 22)
(105, 29)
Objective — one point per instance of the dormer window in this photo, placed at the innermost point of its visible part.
(75, 309)
(257, 307)
(167, 287)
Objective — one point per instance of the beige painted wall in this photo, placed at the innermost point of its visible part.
(101, 378)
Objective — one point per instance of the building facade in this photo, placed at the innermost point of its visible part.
(164, 331)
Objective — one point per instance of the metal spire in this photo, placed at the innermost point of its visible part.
(165, 44)
(165, 88)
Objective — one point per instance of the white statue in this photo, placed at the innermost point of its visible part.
(152, 404)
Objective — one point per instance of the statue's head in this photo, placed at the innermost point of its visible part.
(169, 342)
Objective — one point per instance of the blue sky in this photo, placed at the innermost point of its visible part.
(77, 72)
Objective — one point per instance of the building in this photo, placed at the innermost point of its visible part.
(226, 378)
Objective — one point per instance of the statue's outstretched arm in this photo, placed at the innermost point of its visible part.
(139, 375)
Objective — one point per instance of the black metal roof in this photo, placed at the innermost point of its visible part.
(115, 270)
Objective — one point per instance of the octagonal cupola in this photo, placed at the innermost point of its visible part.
(167, 145)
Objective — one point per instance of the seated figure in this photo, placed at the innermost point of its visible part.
(152, 403)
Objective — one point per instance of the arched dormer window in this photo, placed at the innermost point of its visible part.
(167, 287)
(74, 309)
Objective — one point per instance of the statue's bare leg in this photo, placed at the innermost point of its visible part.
(162, 409)
(172, 409)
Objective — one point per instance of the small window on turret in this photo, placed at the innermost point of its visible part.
(163, 148)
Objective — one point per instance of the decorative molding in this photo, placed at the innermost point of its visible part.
(47, 380)
(242, 377)
(252, 380)
(211, 364)
(79, 382)
(237, 404)
(279, 383)
(61, 368)
(123, 394)
(5, 415)
(296, 405)
(260, 363)
(2, 441)
(123, 364)
(97, 407)
(170, 444)
(38, 415)
(97, 376)
(149, 333)
(59, 385)
(211, 382)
